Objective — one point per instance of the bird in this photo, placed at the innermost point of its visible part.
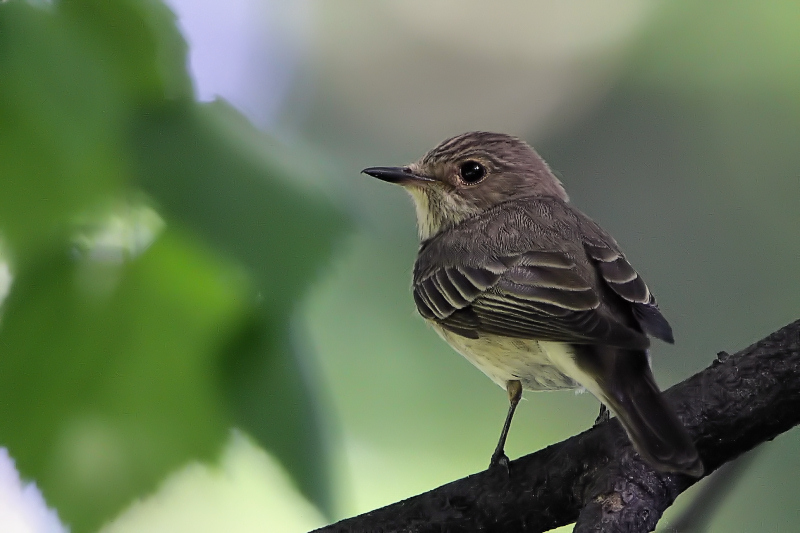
(533, 292)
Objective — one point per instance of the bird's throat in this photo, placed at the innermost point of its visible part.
(438, 210)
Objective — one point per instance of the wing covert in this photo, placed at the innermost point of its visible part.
(542, 283)
(539, 295)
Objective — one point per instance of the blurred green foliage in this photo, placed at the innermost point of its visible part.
(114, 373)
(104, 393)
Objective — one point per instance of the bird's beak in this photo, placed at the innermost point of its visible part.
(399, 175)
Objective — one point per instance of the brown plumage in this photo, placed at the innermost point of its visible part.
(532, 291)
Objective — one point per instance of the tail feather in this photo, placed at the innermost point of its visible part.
(626, 385)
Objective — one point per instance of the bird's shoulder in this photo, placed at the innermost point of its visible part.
(506, 230)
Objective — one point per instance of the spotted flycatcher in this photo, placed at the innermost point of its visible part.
(532, 291)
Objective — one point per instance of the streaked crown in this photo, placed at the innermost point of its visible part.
(475, 171)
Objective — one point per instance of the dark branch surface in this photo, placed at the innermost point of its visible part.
(596, 478)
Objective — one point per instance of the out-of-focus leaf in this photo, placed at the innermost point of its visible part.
(94, 99)
(138, 39)
(108, 378)
(71, 76)
(201, 167)
(275, 402)
(58, 145)
(204, 176)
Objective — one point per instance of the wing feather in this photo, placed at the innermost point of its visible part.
(448, 290)
(481, 278)
(620, 276)
(462, 284)
(546, 283)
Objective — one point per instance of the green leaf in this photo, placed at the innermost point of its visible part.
(72, 75)
(59, 150)
(206, 167)
(274, 399)
(138, 40)
(201, 165)
(109, 375)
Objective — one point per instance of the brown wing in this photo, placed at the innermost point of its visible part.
(529, 299)
(618, 274)
(479, 278)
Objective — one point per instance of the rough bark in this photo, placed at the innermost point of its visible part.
(596, 478)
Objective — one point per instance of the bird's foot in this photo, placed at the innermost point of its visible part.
(603, 416)
(499, 462)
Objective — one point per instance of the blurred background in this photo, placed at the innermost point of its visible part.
(207, 322)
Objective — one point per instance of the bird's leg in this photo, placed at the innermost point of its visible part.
(514, 389)
(603, 416)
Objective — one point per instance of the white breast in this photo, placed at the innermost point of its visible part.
(504, 359)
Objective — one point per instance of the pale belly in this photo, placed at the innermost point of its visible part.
(537, 365)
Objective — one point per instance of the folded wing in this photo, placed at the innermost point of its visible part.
(548, 283)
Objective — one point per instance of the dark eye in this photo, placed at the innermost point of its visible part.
(471, 172)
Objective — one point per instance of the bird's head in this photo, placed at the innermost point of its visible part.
(468, 174)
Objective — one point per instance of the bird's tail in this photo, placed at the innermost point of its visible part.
(627, 387)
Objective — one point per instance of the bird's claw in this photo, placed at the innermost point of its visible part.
(499, 461)
(603, 416)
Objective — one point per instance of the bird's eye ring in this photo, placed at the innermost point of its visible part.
(471, 172)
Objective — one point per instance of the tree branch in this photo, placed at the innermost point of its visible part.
(596, 477)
